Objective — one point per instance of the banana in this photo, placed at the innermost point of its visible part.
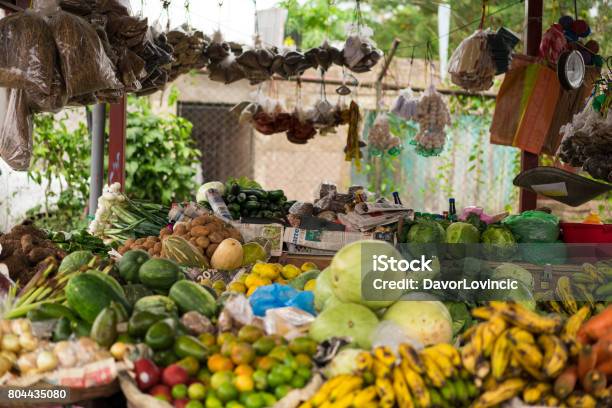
(348, 386)
(555, 306)
(385, 355)
(534, 393)
(518, 315)
(416, 384)
(345, 401)
(564, 291)
(364, 361)
(584, 294)
(570, 329)
(384, 389)
(380, 370)
(449, 351)
(500, 357)
(505, 391)
(305, 404)
(530, 358)
(551, 401)
(518, 335)
(461, 392)
(467, 335)
(592, 271)
(583, 278)
(473, 361)
(408, 353)
(322, 394)
(490, 383)
(436, 399)
(433, 372)
(444, 363)
(555, 354)
(483, 312)
(448, 392)
(581, 401)
(365, 396)
(402, 394)
(491, 331)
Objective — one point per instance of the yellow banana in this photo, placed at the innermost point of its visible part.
(500, 357)
(305, 404)
(416, 384)
(564, 292)
(528, 354)
(466, 336)
(555, 306)
(555, 354)
(380, 369)
(570, 329)
(351, 384)
(483, 312)
(345, 401)
(449, 351)
(365, 396)
(402, 394)
(408, 353)
(534, 393)
(385, 355)
(478, 338)
(444, 363)
(364, 361)
(433, 371)
(385, 392)
(322, 394)
(518, 335)
(497, 325)
(581, 401)
(474, 362)
(489, 335)
(503, 392)
(518, 315)
(489, 383)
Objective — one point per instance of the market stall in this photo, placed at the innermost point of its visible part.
(244, 297)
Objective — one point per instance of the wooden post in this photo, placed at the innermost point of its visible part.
(533, 17)
(116, 143)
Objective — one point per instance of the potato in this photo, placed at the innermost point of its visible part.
(140, 241)
(201, 220)
(164, 232)
(129, 242)
(224, 233)
(234, 233)
(148, 245)
(202, 242)
(151, 251)
(200, 231)
(215, 237)
(157, 247)
(152, 239)
(180, 228)
(211, 250)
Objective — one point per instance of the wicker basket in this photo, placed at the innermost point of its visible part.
(75, 395)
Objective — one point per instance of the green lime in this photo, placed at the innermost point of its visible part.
(227, 392)
(220, 378)
(304, 373)
(269, 399)
(282, 390)
(196, 391)
(213, 402)
(194, 404)
(244, 395)
(254, 401)
(275, 379)
(297, 382)
(286, 373)
(234, 404)
(204, 376)
(260, 380)
(291, 362)
(179, 391)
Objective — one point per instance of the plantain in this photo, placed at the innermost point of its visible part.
(564, 292)
(400, 388)
(592, 272)
(518, 335)
(505, 391)
(573, 323)
(416, 384)
(351, 384)
(365, 396)
(384, 390)
(385, 355)
(500, 357)
(364, 361)
(584, 294)
(530, 358)
(555, 354)
(534, 393)
(448, 351)
(433, 372)
(408, 353)
(380, 370)
(474, 362)
(322, 394)
(583, 278)
(483, 312)
(442, 361)
(518, 315)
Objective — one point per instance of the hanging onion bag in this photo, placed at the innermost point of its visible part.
(85, 66)
(16, 132)
(27, 52)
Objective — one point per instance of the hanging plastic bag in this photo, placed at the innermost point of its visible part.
(85, 66)
(27, 52)
(16, 132)
(533, 227)
(55, 101)
(360, 52)
(433, 116)
(405, 106)
(380, 138)
(471, 66)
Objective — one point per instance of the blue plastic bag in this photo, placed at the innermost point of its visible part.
(277, 295)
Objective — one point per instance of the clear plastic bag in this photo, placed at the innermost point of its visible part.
(16, 132)
(471, 66)
(27, 55)
(55, 101)
(85, 66)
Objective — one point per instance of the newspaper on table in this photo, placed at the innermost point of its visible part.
(368, 215)
(293, 249)
(272, 232)
(322, 240)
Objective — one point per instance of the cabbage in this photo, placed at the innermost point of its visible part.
(512, 271)
(201, 195)
(345, 362)
(345, 320)
(460, 234)
(323, 289)
(533, 226)
(423, 237)
(428, 322)
(522, 295)
(499, 243)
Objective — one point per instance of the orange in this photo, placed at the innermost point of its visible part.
(217, 363)
(244, 383)
(242, 353)
(266, 363)
(243, 369)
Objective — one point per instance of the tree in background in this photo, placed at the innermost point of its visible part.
(415, 22)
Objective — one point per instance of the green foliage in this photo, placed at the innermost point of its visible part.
(61, 154)
(161, 157)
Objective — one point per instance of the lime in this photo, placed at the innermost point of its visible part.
(304, 373)
(286, 373)
(254, 401)
(291, 362)
(269, 399)
(297, 382)
(260, 380)
(179, 391)
(234, 404)
(220, 378)
(196, 391)
(282, 390)
(275, 379)
(213, 402)
(227, 392)
(194, 404)
(303, 360)
(204, 376)
(243, 396)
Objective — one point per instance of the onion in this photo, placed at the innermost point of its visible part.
(10, 342)
(118, 350)
(5, 365)
(46, 361)
(28, 342)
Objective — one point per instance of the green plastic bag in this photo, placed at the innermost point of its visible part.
(533, 227)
